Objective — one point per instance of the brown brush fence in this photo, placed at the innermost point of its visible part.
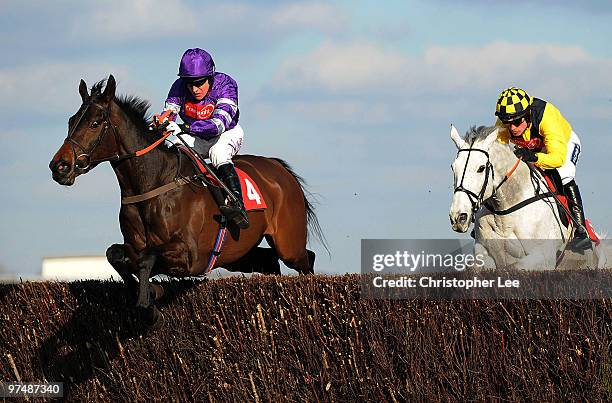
(302, 339)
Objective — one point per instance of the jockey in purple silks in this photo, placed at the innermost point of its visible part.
(207, 101)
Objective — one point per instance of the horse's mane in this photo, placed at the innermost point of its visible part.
(135, 108)
(478, 133)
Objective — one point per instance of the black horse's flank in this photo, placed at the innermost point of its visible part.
(175, 232)
(137, 110)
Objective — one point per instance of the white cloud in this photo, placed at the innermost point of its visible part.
(323, 16)
(461, 67)
(174, 19)
(352, 67)
(52, 88)
(444, 78)
(138, 18)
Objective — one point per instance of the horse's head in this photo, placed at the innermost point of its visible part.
(473, 176)
(88, 135)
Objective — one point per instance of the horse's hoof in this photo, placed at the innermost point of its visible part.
(272, 269)
(115, 253)
(305, 272)
(157, 319)
(157, 291)
(150, 317)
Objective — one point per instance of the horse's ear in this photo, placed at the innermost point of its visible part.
(491, 138)
(456, 137)
(83, 91)
(109, 91)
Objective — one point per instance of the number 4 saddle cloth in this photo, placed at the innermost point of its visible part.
(251, 195)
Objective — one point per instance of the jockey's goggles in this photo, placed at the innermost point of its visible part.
(513, 122)
(198, 82)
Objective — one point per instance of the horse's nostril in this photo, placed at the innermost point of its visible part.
(60, 167)
(463, 217)
(63, 167)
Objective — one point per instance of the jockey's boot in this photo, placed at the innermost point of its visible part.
(233, 211)
(581, 240)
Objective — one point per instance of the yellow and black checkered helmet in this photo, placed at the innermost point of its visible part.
(512, 104)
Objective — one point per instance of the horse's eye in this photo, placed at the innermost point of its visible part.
(94, 125)
(481, 169)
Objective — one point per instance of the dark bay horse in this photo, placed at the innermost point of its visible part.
(174, 233)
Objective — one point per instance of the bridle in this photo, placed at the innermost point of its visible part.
(476, 199)
(87, 152)
(80, 152)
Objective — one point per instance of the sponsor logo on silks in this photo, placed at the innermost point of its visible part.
(575, 153)
(533, 144)
(200, 112)
(251, 195)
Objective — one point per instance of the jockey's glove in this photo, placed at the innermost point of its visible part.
(175, 130)
(526, 155)
(161, 118)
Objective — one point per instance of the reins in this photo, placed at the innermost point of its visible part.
(555, 196)
(107, 123)
(177, 182)
(477, 199)
(532, 199)
(138, 153)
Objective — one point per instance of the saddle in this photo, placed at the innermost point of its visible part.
(555, 188)
(252, 197)
(553, 180)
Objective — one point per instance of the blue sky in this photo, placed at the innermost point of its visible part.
(357, 96)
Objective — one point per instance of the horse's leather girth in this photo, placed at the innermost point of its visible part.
(156, 192)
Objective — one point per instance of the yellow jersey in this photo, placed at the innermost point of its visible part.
(547, 134)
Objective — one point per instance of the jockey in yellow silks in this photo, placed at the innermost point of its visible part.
(545, 138)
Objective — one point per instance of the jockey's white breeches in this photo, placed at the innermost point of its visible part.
(222, 148)
(568, 170)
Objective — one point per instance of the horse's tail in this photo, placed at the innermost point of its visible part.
(311, 218)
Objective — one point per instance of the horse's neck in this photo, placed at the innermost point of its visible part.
(518, 187)
(138, 175)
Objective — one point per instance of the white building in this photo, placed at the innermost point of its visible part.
(70, 268)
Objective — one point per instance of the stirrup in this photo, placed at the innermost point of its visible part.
(235, 214)
(580, 244)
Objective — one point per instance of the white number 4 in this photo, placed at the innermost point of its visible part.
(252, 192)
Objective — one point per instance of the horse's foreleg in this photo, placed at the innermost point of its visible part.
(120, 257)
(146, 292)
(536, 260)
(145, 266)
